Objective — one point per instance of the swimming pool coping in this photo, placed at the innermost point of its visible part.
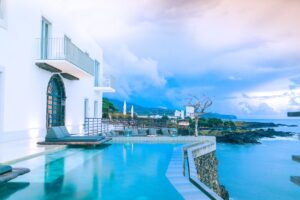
(160, 139)
(33, 155)
(181, 182)
(195, 150)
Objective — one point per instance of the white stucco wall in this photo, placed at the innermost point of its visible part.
(22, 84)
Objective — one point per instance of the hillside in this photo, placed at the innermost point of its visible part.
(141, 110)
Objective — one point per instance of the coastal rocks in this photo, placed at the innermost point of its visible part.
(206, 166)
(251, 125)
(251, 137)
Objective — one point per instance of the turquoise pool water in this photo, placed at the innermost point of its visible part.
(249, 172)
(260, 172)
(114, 172)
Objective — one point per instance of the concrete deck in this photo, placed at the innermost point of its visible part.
(179, 181)
(13, 151)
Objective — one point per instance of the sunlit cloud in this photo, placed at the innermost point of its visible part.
(245, 54)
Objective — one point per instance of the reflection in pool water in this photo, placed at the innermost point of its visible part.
(115, 172)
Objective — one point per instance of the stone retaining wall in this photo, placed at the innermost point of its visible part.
(202, 164)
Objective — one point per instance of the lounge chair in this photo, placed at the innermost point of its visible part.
(8, 173)
(59, 135)
(127, 132)
(173, 132)
(165, 132)
(135, 132)
(142, 132)
(152, 132)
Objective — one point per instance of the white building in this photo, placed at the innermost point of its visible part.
(190, 111)
(177, 113)
(182, 114)
(51, 70)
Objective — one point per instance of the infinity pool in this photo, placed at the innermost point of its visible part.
(111, 172)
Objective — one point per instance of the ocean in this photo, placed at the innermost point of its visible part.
(261, 171)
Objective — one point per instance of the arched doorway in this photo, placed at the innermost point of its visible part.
(56, 99)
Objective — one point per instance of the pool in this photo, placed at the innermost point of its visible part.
(118, 171)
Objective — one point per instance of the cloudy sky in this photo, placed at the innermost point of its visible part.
(244, 54)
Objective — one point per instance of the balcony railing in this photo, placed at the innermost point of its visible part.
(64, 49)
(95, 126)
(108, 82)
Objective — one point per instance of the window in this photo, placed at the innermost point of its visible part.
(45, 38)
(86, 108)
(96, 109)
(96, 74)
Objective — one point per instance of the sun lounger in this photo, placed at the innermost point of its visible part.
(173, 132)
(135, 132)
(8, 173)
(142, 132)
(165, 132)
(152, 132)
(60, 136)
(127, 132)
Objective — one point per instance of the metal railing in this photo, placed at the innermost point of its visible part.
(95, 126)
(141, 123)
(99, 126)
(64, 49)
(107, 82)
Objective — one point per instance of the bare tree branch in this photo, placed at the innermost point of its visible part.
(200, 106)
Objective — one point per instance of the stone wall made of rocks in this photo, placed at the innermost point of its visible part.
(206, 166)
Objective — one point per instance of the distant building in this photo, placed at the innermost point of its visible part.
(177, 113)
(184, 123)
(149, 116)
(190, 111)
(182, 114)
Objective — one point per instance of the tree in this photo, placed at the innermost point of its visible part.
(200, 106)
(229, 124)
(165, 118)
(215, 122)
(108, 107)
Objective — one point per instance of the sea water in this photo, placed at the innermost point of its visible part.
(261, 171)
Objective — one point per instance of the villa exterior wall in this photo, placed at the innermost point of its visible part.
(23, 85)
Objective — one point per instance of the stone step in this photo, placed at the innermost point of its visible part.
(296, 158)
(296, 180)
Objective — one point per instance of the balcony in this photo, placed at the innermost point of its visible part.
(60, 55)
(106, 85)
